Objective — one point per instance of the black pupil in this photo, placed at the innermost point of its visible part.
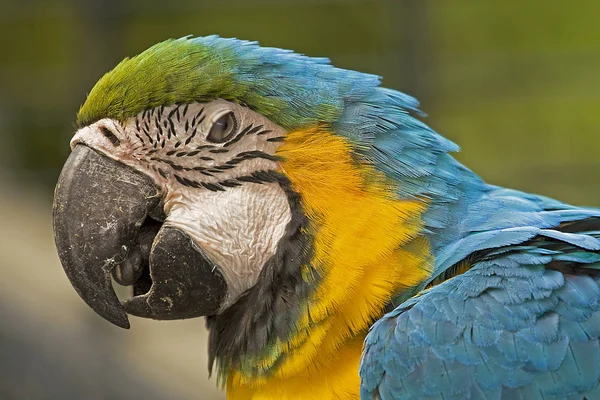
(222, 128)
(222, 125)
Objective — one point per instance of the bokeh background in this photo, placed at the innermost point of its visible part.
(516, 84)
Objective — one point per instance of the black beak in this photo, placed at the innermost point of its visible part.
(100, 217)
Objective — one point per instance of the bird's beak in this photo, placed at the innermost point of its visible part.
(101, 227)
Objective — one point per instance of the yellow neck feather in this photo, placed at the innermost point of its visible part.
(367, 248)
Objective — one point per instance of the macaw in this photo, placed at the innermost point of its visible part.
(335, 247)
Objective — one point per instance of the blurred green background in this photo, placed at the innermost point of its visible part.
(515, 83)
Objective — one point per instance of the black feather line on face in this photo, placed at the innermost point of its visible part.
(137, 134)
(147, 133)
(157, 124)
(255, 129)
(189, 139)
(238, 136)
(270, 310)
(171, 128)
(171, 113)
(204, 146)
(137, 125)
(199, 117)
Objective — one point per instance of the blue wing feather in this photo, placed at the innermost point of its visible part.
(523, 322)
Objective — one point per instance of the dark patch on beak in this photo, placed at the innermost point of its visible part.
(185, 284)
(102, 227)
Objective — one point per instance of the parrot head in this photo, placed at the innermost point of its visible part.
(221, 179)
(182, 202)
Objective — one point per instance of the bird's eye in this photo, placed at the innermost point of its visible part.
(223, 128)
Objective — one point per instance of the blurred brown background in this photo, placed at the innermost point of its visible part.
(515, 83)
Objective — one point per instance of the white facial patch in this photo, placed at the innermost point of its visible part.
(238, 229)
(218, 192)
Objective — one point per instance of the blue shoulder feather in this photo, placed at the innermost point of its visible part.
(522, 323)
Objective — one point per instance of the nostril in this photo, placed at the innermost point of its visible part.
(110, 136)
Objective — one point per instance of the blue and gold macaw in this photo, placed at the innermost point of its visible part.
(335, 247)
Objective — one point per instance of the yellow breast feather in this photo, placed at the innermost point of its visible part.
(367, 248)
